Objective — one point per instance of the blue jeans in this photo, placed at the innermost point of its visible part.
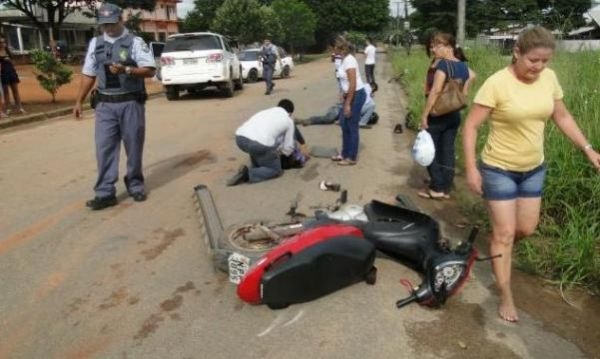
(443, 131)
(333, 113)
(350, 138)
(268, 70)
(265, 160)
(366, 113)
(499, 184)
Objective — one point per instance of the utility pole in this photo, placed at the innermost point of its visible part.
(397, 21)
(460, 34)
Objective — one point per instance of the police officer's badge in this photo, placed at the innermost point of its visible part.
(123, 54)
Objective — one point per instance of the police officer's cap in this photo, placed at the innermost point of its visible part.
(109, 14)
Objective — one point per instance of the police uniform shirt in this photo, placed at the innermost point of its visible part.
(140, 53)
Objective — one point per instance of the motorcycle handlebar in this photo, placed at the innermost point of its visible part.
(402, 302)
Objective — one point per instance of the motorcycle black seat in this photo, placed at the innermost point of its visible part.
(401, 233)
(377, 211)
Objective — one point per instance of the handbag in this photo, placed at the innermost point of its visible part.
(451, 98)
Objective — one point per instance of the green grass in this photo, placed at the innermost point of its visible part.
(566, 247)
(305, 58)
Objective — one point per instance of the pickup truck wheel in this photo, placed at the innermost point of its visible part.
(172, 93)
(227, 88)
(253, 76)
(239, 83)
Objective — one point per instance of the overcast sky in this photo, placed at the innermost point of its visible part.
(183, 7)
(187, 5)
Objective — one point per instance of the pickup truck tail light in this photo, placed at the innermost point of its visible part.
(215, 57)
(167, 61)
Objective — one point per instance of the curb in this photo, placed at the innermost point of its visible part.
(42, 116)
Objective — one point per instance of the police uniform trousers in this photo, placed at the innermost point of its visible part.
(116, 122)
(268, 70)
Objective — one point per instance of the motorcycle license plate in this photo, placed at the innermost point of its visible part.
(238, 266)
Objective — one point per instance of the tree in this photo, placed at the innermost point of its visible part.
(134, 24)
(483, 15)
(335, 16)
(50, 72)
(300, 23)
(270, 25)
(564, 15)
(434, 14)
(55, 12)
(238, 19)
(201, 17)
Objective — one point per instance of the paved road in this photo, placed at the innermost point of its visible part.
(135, 281)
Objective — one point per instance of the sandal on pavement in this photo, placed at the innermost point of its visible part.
(430, 194)
(346, 162)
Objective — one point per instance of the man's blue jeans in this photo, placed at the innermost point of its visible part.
(366, 113)
(265, 160)
(333, 113)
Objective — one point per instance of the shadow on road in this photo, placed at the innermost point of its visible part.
(167, 170)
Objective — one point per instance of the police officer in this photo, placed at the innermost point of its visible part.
(118, 62)
(269, 57)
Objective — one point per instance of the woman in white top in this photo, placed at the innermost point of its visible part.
(354, 96)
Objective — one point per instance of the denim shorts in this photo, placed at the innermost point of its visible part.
(499, 184)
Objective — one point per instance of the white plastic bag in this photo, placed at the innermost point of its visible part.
(423, 150)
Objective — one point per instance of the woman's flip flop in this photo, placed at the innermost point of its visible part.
(429, 194)
(347, 162)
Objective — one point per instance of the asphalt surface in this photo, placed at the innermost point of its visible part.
(136, 280)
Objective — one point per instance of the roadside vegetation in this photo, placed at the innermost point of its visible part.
(50, 72)
(566, 248)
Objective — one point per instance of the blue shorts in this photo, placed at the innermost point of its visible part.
(499, 184)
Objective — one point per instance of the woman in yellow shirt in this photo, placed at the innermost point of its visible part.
(517, 100)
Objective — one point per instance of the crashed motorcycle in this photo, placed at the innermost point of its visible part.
(252, 253)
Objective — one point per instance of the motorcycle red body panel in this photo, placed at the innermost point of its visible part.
(249, 288)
